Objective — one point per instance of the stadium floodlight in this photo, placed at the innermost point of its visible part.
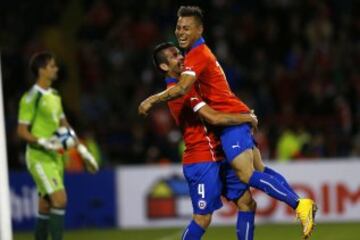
(5, 213)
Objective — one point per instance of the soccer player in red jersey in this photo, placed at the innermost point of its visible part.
(203, 72)
(207, 174)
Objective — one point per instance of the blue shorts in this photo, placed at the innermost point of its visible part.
(208, 181)
(233, 188)
(236, 139)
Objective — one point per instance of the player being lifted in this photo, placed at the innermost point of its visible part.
(203, 70)
(207, 174)
(40, 115)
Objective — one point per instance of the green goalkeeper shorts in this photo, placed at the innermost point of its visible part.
(47, 170)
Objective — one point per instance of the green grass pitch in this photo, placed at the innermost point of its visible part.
(344, 231)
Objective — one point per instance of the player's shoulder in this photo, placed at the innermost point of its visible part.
(197, 54)
(54, 92)
(202, 51)
(29, 95)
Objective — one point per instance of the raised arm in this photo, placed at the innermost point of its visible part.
(179, 89)
(226, 119)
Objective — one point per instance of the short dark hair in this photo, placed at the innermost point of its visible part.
(39, 60)
(158, 54)
(191, 11)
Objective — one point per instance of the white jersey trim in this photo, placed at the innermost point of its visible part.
(211, 148)
(24, 122)
(188, 72)
(42, 90)
(198, 106)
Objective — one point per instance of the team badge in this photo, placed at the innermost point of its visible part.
(202, 204)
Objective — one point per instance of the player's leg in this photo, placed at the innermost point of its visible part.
(260, 166)
(205, 191)
(236, 191)
(245, 224)
(37, 172)
(197, 227)
(306, 208)
(238, 143)
(58, 201)
(42, 221)
(243, 165)
(49, 180)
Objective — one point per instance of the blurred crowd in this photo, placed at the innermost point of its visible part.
(296, 63)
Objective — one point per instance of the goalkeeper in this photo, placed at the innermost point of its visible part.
(40, 115)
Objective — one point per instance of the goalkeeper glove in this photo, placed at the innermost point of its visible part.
(90, 161)
(51, 144)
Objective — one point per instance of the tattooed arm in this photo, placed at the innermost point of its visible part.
(226, 119)
(179, 89)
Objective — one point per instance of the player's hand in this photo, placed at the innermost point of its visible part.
(146, 105)
(90, 162)
(52, 144)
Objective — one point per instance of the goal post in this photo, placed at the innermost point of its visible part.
(5, 208)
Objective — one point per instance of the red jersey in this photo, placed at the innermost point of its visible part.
(211, 81)
(201, 145)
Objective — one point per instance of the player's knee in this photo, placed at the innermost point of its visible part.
(247, 206)
(59, 203)
(246, 202)
(252, 205)
(44, 205)
(58, 200)
(203, 220)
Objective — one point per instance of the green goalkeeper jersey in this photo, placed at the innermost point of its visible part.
(42, 110)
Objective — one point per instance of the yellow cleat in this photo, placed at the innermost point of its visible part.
(305, 212)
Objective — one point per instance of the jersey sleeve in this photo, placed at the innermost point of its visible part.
(26, 109)
(195, 101)
(195, 63)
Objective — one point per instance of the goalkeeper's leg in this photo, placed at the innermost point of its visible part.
(42, 221)
(57, 214)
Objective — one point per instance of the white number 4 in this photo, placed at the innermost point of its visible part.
(201, 190)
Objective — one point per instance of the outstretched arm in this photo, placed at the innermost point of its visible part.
(180, 89)
(226, 119)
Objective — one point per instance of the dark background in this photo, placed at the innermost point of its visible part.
(295, 62)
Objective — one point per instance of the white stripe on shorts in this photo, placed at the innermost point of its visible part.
(39, 169)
